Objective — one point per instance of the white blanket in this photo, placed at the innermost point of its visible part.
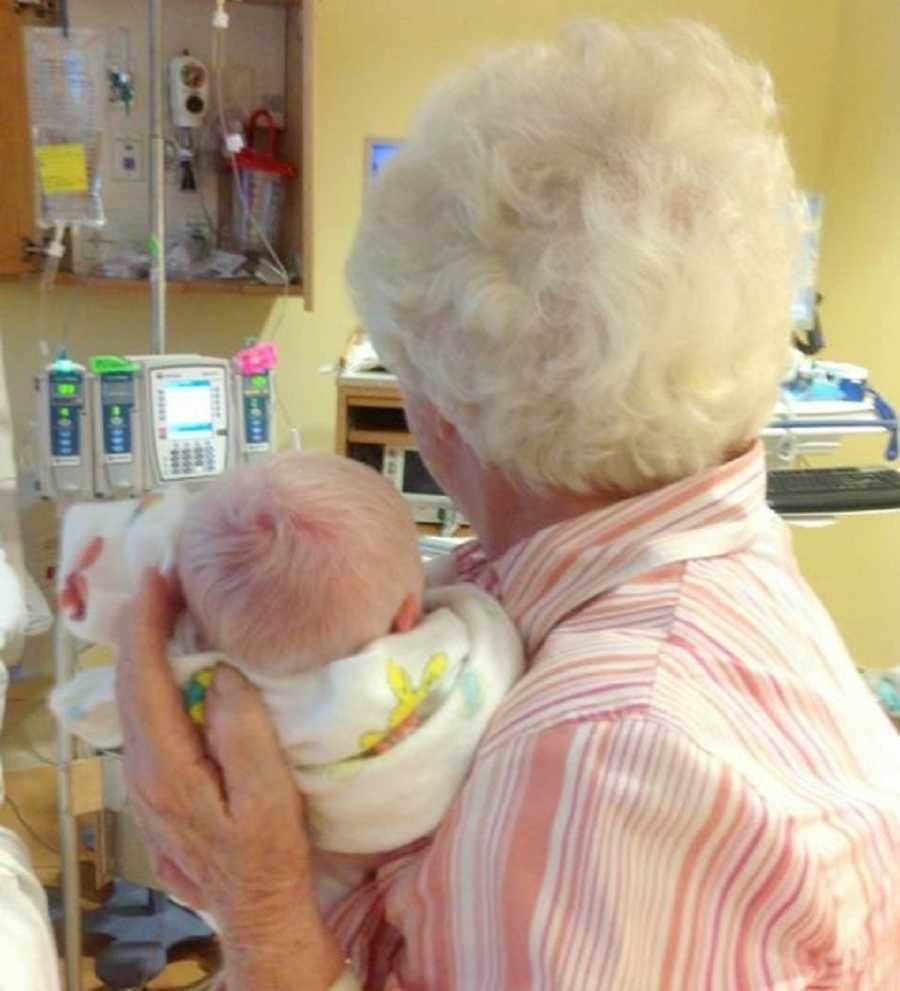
(379, 742)
(28, 959)
(13, 612)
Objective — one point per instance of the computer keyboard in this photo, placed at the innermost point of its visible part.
(832, 490)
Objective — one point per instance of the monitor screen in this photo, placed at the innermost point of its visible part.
(417, 479)
(188, 404)
(803, 305)
(378, 153)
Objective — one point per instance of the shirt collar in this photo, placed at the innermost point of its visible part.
(551, 574)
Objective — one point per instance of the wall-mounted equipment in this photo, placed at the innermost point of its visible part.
(128, 425)
(188, 91)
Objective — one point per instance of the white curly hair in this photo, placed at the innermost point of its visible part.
(584, 256)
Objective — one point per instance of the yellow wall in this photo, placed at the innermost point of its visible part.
(855, 565)
(375, 58)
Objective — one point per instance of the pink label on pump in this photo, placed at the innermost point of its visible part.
(262, 357)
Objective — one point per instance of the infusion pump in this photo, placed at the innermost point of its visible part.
(123, 426)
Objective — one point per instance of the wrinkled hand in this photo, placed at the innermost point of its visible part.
(222, 822)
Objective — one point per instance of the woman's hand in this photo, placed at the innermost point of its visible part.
(223, 822)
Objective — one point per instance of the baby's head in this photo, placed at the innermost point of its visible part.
(299, 560)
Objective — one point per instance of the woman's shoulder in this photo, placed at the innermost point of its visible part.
(579, 678)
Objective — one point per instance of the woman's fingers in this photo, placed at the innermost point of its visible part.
(243, 743)
(149, 698)
(223, 816)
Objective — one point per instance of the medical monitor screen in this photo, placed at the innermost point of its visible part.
(378, 154)
(417, 479)
(803, 304)
(189, 408)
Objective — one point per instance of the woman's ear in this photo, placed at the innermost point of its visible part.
(407, 615)
(445, 430)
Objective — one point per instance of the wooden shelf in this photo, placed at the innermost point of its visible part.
(396, 438)
(436, 530)
(241, 287)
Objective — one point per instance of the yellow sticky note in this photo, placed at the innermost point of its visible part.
(63, 168)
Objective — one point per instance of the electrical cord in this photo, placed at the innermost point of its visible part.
(200, 175)
(38, 839)
(29, 743)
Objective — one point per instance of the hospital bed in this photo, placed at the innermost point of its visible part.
(28, 960)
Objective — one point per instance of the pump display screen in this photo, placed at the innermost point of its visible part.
(65, 388)
(188, 405)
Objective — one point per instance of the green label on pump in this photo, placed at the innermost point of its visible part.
(102, 364)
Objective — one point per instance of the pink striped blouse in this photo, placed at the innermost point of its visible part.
(689, 789)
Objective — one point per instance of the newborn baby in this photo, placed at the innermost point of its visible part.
(304, 573)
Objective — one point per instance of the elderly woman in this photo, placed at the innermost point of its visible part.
(580, 268)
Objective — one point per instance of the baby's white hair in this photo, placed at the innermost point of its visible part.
(297, 561)
(584, 256)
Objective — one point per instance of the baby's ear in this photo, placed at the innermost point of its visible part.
(407, 616)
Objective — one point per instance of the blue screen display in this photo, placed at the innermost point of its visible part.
(380, 152)
(188, 405)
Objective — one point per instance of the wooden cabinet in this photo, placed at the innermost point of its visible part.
(370, 417)
(294, 33)
(16, 196)
(370, 411)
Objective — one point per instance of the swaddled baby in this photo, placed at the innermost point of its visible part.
(304, 573)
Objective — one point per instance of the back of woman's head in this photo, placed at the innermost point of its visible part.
(298, 561)
(584, 255)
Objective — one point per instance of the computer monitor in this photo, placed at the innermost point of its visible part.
(378, 152)
(803, 305)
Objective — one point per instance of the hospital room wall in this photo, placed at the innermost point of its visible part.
(836, 76)
(373, 62)
(855, 565)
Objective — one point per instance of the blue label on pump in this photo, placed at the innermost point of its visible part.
(117, 402)
(66, 397)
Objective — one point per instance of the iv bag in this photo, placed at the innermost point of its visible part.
(67, 97)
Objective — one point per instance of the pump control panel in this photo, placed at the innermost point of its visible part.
(255, 392)
(257, 398)
(65, 466)
(189, 406)
(117, 442)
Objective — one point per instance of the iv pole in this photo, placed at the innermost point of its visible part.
(157, 184)
(70, 880)
(64, 644)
